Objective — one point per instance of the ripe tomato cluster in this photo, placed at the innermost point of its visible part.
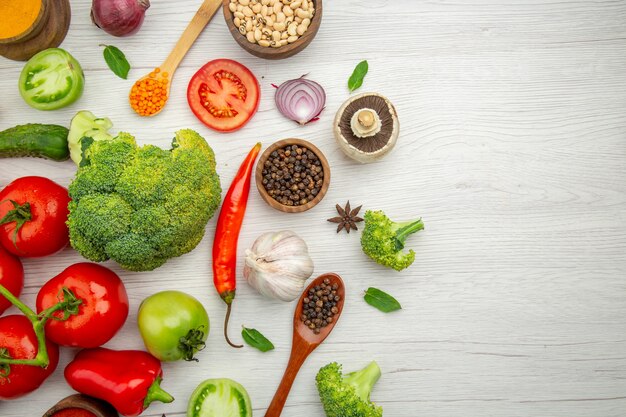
(83, 306)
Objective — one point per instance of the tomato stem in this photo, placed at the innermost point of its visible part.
(20, 215)
(69, 305)
(226, 326)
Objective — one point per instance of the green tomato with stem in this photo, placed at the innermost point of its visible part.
(51, 79)
(173, 325)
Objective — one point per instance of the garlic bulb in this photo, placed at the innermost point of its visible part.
(278, 265)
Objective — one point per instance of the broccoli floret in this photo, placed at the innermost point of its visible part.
(348, 395)
(141, 206)
(383, 240)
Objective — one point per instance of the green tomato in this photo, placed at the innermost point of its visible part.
(173, 325)
(219, 398)
(51, 79)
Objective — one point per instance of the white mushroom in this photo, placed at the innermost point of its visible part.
(366, 127)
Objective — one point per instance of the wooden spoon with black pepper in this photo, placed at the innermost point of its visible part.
(305, 339)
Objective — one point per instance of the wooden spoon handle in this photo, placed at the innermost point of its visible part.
(202, 17)
(298, 356)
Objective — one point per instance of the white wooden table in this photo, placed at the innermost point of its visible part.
(512, 148)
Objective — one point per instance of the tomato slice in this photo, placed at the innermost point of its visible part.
(51, 79)
(223, 94)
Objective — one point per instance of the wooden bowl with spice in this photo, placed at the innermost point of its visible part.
(30, 26)
(292, 175)
(273, 29)
(79, 405)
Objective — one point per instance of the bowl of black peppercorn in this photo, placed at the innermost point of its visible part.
(292, 175)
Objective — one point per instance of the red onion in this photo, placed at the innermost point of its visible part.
(119, 17)
(300, 100)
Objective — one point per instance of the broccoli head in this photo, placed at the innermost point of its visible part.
(348, 395)
(383, 240)
(141, 206)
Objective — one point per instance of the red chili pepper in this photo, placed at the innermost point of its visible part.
(127, 379)
(227, 233)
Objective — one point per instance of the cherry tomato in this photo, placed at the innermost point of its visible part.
(173, 325)
(37, 206)
(102, 313)
(223, 94)
(11, 277)
(18, 338)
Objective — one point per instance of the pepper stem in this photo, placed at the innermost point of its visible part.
(69, 305)
(229, 304)
(156, 393)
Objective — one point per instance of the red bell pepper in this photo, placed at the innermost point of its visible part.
(127, 379)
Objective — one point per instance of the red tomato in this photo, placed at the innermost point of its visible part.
(18, 338)
(42, 208)
(223, 94)
(102, 313)
(11, 277)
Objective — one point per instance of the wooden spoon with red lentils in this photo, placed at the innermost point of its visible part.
(149, 94)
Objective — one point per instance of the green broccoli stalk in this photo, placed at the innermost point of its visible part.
(348, 395)
(383, 240)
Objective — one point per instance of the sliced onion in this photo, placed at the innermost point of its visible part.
(300, 100)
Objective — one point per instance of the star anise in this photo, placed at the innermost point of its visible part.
(347, 218)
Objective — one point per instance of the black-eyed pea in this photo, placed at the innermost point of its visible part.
(275, 44)
(292, 39)
(266, 32)
(291, 30)
(306, 22)
(301, 29)
(239, 8)
(242, 29)
(305, 5)
(284, 35)
(250, 37)
(232, 7)
(278, 7)
(303, 13)
(298, 20)
(257, 8)
(249, 25)
(265, 2)
(264, 42)
(295, 4)
(237, 21)
(287, 11)
(276, 35)
(257, 34)
(239, 15)
(279, 26)
(264, 10)
(247, 11)
(244, 2)
(280, 17)
(283, 42)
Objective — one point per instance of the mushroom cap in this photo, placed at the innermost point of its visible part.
(368, 149)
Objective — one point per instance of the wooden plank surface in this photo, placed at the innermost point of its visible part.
(512, 149)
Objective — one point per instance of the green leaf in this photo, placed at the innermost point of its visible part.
(356, 79)
(381, 300)
(255, 339)
(116, 60)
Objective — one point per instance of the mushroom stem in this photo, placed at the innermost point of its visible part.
(365, 123)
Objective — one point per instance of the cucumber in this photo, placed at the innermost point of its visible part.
(37, 140)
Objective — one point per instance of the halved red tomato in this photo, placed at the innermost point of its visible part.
(223, 94)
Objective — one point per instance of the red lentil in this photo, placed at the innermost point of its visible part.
(149, 95)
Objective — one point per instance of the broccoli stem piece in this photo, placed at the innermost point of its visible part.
(363, 381)
(405, 229)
